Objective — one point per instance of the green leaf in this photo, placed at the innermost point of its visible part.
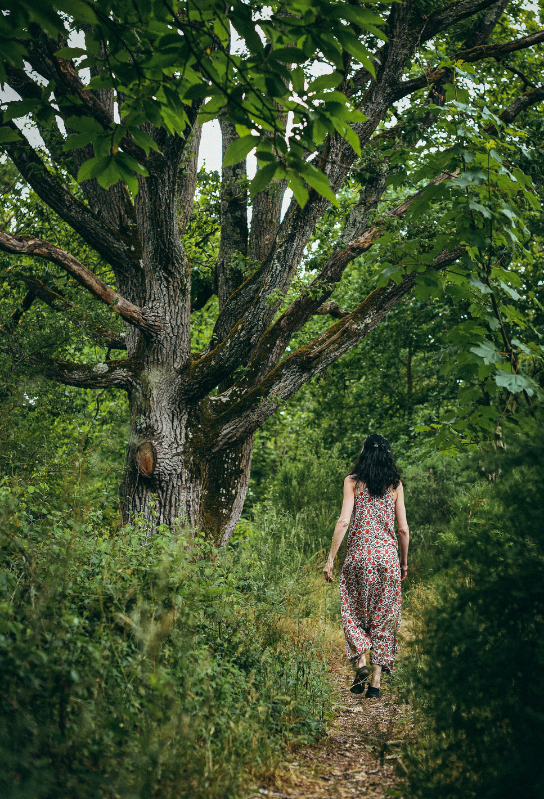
(76, 140)
(318, 181)
(481, 209)
(70, 52)
(510, 291)
(391, 272)
(488, 352)
(129, 178)
(264, 176)
(143, 140)
(514, 382)
(8, 135)
(92, 168)
(297, 77)
(352, 44)
(477, 283)
(360, 16)
(472, 177)
(109, 176)
(288, 55)
(85, 125)
(20, 108)
(239, 148)
(349, 135)
(296, 184)
(323, 82)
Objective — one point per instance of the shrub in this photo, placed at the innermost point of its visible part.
(478, 658)
(137, 667)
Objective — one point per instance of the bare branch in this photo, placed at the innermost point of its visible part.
(28, 245)
(109, 374)
(470, 56)
(517, 106)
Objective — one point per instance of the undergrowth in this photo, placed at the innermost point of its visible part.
(145, 666)
(476, 653)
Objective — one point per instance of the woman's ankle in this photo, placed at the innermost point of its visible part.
(376, 676)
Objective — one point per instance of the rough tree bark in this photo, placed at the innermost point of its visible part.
(189, 452)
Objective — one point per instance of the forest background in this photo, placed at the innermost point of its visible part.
(138, 665)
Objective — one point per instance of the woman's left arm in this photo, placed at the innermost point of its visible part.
(341, 526)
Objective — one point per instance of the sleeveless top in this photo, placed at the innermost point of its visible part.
(373, 519)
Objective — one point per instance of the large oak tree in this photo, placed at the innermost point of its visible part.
(120, 108)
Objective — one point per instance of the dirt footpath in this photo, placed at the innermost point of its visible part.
(359, 755)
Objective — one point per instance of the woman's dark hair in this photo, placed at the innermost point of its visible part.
(375, 466)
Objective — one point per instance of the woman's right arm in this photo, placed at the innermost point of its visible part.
(341, 525)
(404, 532)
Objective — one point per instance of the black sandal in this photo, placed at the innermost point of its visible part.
(372, 693)
(361, 676)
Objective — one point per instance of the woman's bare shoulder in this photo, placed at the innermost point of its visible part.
(350, 481)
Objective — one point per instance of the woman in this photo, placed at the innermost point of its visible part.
(372, 574)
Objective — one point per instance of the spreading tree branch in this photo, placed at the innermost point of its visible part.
(28, 245)
(272, 345)
(109, 374)
(251, 308)
(518, 105)
(450, 14)
(481, 32)
(470, 56)
(242, 417)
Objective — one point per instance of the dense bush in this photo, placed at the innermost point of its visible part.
(478, 651)
(136, 667)
(434, 490)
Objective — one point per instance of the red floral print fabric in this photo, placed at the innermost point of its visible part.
(370, 582)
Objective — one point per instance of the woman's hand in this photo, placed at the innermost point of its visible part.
(327, 571)
(403, 573)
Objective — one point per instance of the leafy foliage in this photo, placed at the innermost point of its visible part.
(149, 666)
(478, 654)
(166, 59)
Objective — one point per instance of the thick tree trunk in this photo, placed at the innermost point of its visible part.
(169, 476)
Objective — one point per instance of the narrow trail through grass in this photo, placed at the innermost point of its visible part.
(360, 753)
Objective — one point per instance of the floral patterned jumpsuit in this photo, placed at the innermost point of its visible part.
(370, 581)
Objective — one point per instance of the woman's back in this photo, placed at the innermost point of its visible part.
(373, 517)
